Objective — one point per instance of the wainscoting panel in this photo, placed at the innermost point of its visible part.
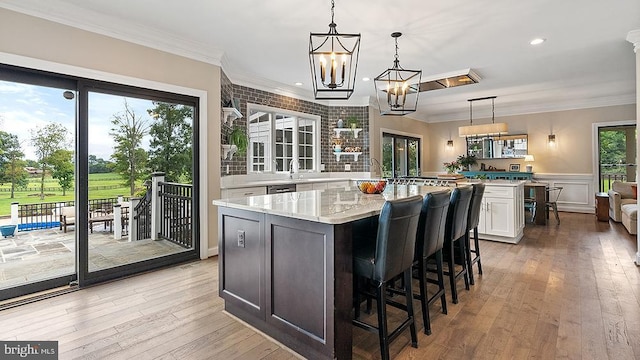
(578, 193)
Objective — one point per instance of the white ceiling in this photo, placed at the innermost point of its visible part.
(585, 62)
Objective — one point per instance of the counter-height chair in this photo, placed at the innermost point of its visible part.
(473, 219)
(381, 259)
(429, 243)
(454, 235)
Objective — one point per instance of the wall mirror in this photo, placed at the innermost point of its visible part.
(497, 146)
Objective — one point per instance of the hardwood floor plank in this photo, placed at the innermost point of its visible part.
(566, 292)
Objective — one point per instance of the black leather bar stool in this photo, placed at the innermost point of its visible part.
(455, 231)
(472, 224)
(429, 243)
(379, 260)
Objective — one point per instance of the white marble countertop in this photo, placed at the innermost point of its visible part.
(331, 206)
(282, 182)
(498, 182)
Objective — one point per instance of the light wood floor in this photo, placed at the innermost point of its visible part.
(568, 291)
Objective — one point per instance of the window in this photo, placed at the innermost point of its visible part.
(279, 139)
(400, 155)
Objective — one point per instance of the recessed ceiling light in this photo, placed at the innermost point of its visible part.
(365, 79)
(537, 41)
(298, 84)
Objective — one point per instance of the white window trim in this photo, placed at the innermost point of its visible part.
(297, 115)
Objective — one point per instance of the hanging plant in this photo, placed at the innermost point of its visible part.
(238, 137)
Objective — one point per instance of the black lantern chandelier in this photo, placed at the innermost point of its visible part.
(334, 60)
(397, 89)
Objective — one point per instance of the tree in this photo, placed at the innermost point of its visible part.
(46, 141)
(129, 158)
(171, 139)
(63, 170)
(11, 162)
(99, 165)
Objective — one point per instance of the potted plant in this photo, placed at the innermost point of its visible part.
(352, 122)
(466, 161)
(238, 137)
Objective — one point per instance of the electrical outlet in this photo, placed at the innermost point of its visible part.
(227, 169)
(321, 167)
(241, 238)
(347, 167)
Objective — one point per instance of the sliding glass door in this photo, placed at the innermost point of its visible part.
(96, 180)
(400, 155)
(37, 182)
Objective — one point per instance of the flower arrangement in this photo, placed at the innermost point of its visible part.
(452, 166)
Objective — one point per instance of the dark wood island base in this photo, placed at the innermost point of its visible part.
(290, 278)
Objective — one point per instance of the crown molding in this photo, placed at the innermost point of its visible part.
(634, 38)
(519, 109)
(89, 21)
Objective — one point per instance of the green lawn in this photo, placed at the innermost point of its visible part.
(32, 197)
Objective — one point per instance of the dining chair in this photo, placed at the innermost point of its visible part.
(553, 193)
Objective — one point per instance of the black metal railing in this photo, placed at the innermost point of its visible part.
(175, 213)
(142, 215)
(47, 215)
(607, 179)
(40, 215)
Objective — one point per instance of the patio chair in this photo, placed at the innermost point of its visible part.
(67, 217)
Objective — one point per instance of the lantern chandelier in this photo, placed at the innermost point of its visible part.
(341, 52)
(397, 89)
(483, 129)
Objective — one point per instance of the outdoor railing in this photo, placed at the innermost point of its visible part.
(607, 179)
(47, 215)
(175, 213)
(142, 217)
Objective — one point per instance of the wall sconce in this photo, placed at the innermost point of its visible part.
(551, 142)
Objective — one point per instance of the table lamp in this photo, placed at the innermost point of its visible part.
(529, 159)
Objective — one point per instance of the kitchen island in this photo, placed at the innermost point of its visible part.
(285, 263)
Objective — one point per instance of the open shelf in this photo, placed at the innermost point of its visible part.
(229, 114)
(355, 131)
(341, 153)
(228, 151)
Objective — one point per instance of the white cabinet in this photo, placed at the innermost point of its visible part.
(304, 187)
(243, 192)
(502, 213)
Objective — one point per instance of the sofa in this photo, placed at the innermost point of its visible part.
(623, 205)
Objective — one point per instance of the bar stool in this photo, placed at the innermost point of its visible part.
(429, 243)
(455, 231)
(472, 224)
(379, 260)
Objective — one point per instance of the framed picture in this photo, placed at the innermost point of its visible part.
(514, 167)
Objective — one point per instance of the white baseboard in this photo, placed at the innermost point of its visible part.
(212, 251)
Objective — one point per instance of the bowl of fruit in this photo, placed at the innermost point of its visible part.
(372, 186)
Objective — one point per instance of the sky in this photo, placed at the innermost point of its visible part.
(24, 108)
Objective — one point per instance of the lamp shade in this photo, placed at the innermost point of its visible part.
(482, 129)
(529, 158)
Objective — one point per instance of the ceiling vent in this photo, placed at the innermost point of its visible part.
(451, 79)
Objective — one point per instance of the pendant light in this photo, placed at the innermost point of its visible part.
(334, 60)
(483, 129)
(397, 89)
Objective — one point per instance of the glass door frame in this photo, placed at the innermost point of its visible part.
(45, 79)
(85, 277)
(596, 127)
(407, 138)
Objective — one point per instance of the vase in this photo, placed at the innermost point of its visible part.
(340, 123)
